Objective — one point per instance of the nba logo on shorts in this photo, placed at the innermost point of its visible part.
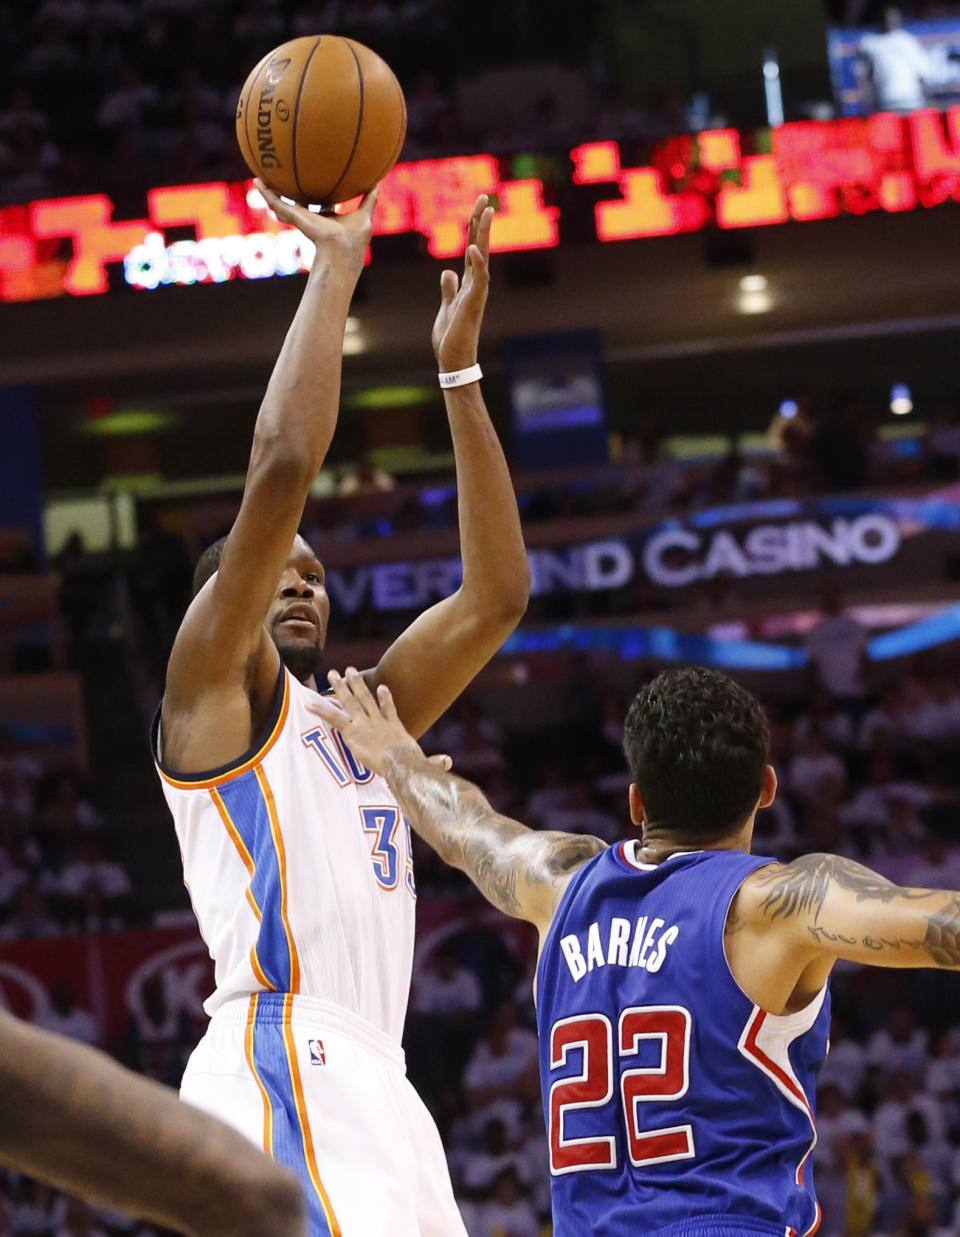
(317, 1055)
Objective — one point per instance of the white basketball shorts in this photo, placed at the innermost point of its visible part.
(326, 1093)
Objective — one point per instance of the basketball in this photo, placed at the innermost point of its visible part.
(321, 119)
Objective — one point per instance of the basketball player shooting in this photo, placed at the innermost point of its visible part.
(296, 856)
(682, 983)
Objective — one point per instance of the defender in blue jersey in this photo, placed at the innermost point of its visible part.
(682, 981)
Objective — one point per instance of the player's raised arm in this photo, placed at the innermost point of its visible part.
(823, 907)
(522, 871)
(224, 627)
(76, 1119)
(431, 663)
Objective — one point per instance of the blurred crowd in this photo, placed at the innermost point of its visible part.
(56, 870)
(159, 82)
(812, 446)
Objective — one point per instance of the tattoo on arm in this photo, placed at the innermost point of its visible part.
(801, 887)
(499, 855)
(942, 941)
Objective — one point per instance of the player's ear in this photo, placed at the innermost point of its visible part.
(768, 789)
(636, 804)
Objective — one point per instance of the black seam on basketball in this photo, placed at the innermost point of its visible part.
(400, 140)
(296, 114)
(356, 136)
(246, 115)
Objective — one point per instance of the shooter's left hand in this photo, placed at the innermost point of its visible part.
(456, 331)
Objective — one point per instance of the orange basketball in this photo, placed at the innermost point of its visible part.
(321, 119)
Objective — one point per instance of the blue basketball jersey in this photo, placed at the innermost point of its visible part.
(673, 1103)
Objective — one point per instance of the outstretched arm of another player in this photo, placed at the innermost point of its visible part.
(522, 871)
(76, 1119)
(830, 907)
(224, 626)
(431, 663)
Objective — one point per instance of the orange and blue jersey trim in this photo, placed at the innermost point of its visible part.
(248, 810)
(272, 1058)
(227, 773)
(241, 847)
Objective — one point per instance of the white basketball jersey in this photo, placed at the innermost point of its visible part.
(298, 864)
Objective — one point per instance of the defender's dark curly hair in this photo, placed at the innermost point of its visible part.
(207, 564)
(696, 745)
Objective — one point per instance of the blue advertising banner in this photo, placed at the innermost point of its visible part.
(762, 539)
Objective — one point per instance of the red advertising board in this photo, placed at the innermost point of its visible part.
(108, 971)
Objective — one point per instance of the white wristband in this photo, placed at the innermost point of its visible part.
(460, 377)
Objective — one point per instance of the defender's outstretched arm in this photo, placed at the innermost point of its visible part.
(834, 908)
(76, 1119)
(522, 871)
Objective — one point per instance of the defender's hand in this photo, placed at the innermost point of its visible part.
(370, 726)
(456, 331)
(348, 235)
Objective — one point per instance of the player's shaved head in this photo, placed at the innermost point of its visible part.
(697, 745)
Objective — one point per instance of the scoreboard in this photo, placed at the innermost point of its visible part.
(721, 178)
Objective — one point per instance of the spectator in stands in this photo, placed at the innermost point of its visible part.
(474, 743)
(64, 1017)
(446, 989)
(30, 917)
(502, 1073)
(837, 648)
(19, 774)
(815, 774)
(889, 1123)
(132, 105)
(445, 1007)
(31, 1211)
(64, 820)
(839, 446)
(158, 1036)
(94, 873)
(895, 66)
(835, 725)
(22, 115)
(484, 1164)
(886, 807)
(900, 1045)
(884, 722)
(581, 815)
(365, 477)
(554, 788)
(938, 867)
(863, 1182)
(426, 107)
(481, 948)
(508, 1213)
(75, 1218)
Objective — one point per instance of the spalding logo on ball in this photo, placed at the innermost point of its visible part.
(320, 119)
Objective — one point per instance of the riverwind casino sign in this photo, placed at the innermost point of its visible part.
(748, 545)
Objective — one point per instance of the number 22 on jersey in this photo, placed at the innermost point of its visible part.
(590, 1036)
